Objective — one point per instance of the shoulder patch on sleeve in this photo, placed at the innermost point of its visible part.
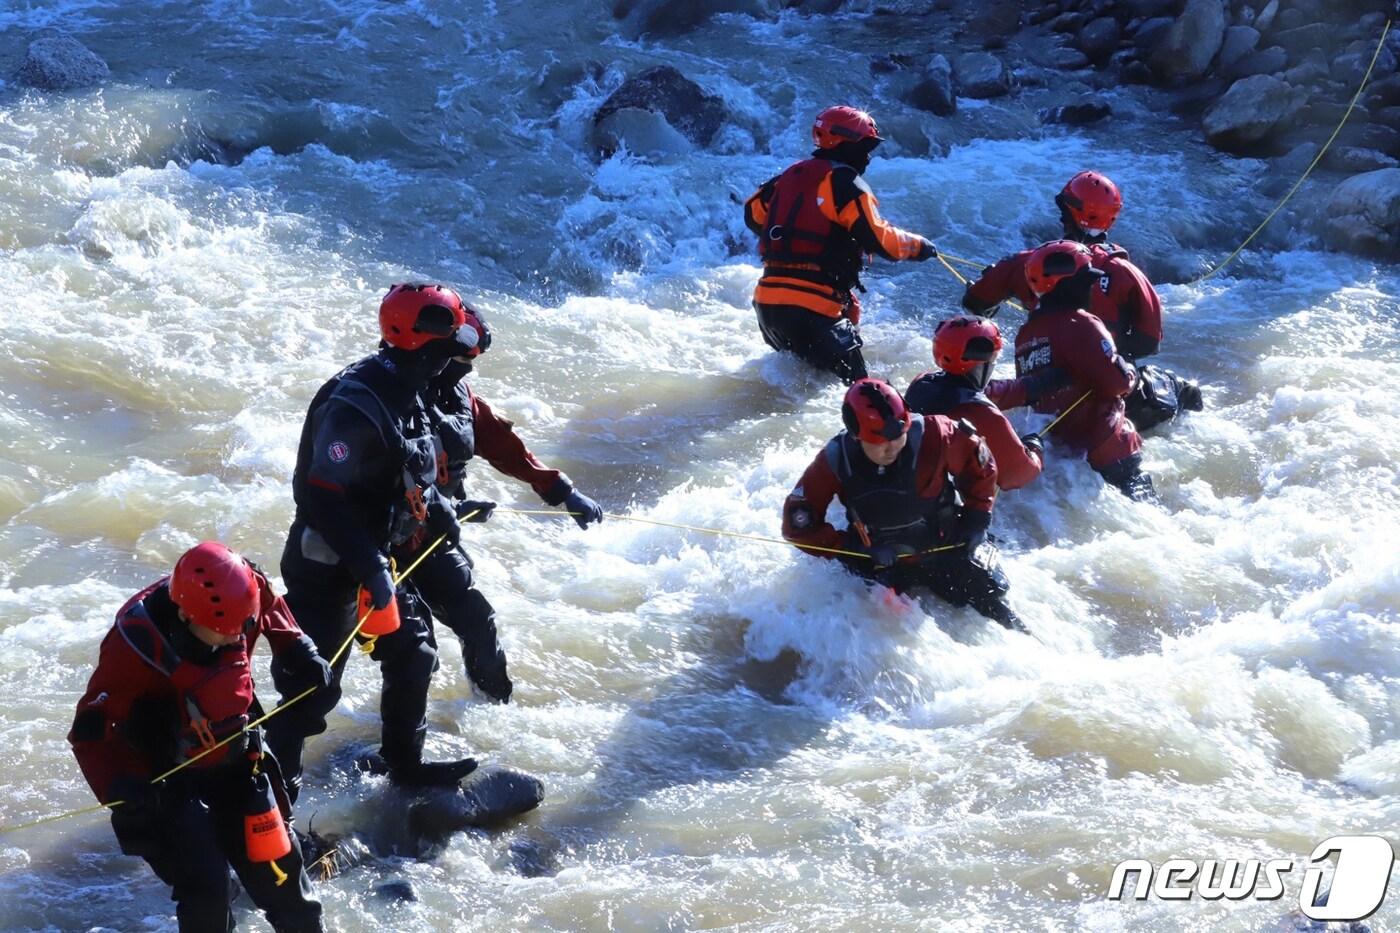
(984, 456)
(338, 451)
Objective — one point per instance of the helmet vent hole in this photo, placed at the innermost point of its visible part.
(214, 599)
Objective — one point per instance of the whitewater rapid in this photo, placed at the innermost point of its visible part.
(731, 734)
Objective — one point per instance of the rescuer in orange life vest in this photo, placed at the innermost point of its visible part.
(172, 680)
(1123, 297)
(815, 223)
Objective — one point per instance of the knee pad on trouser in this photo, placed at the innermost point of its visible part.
(191, 860)
(474, 620)
(838, 351)
(1127, 477)
(407, 660)
(771, 335)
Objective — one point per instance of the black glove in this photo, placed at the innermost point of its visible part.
(585, 511)
(480, 507)
(143, 811)
(926, 251)
(381, 588)
(299, 667)
(442, 520)
(1042, 382)
(1033, 443)
(972, 528)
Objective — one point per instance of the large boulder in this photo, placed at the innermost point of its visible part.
(1099, 39)
(935, 93)
(982, 75)
(61, 63)
(1363, 214)
(1251, 112)
(1188, 48)
(630, 114)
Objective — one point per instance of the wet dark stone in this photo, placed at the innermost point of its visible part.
(399, 890)
(663, 90)
(61, 63)
(1078, 114)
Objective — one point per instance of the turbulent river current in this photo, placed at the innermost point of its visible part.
(732, 734)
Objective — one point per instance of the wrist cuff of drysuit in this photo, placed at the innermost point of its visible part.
(556, 494)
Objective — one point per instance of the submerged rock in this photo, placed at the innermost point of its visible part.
(487, 801)
(661, 92)
(61, 63)
(1077, 114)
(1363, 214)
(397, 890)
(677, 17)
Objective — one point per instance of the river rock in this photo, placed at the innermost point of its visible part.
(1301, 39)
(1239, 42)
(1363, 214)
(995, 20)
(1189, 46)
(1068, 22)
(935, 93)
(1351, 67)
(1099, 39)
(1355, 159)
(1077, 114)
(1067, 59)
(1265, 20)
(61, 63)
(1151, 33)
(1387, 116)
(1383, 92)
(1296, 161)
(1150, 9)
(677, 17)
(1250, 112)
(982, 75)
(663, 92)
(1262, 62)
(1310, 70)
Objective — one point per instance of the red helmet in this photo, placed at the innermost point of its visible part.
(1054, 262)
(1092, 200)
(874, 412)
(413, 315)
(215, 588)
(962, 343)
(842, 124)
